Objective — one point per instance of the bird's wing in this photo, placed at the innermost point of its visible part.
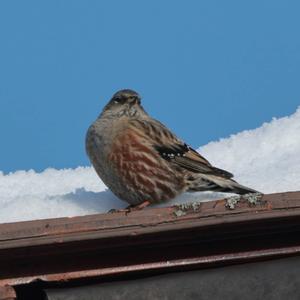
(174, 150)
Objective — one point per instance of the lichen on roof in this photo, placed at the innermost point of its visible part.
(252, 200)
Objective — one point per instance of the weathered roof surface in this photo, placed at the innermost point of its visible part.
(272, 279)
(151, 240)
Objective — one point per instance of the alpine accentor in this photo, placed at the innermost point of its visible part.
(143, 162)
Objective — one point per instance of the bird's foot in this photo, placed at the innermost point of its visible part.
(113, 210)
(139, 206)
(130, 208)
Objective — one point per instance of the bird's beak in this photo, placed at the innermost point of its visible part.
(134, 100)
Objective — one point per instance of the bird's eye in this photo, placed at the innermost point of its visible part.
(117, 100)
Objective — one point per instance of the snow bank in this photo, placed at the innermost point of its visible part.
(266, 158)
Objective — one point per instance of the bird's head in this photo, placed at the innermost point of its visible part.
(124, 102)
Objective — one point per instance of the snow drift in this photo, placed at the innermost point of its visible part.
(266, 159)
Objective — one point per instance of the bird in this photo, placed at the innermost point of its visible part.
(142, 162)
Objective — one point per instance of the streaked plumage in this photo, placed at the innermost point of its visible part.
(140, 159)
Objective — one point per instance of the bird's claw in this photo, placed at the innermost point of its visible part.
(113, 210)
(130, 208)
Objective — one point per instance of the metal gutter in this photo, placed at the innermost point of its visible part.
(99, 247)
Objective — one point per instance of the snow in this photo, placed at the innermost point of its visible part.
(266, 159)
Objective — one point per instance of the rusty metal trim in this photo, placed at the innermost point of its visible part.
(195, 263)
(34, 233)
(203, 235)
(7, 293)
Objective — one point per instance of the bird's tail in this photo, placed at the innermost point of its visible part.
(218, 184)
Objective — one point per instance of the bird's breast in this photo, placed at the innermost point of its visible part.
(141, 169)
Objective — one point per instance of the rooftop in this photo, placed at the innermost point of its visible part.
(118, 245)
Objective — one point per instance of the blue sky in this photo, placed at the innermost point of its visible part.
(206, 69)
